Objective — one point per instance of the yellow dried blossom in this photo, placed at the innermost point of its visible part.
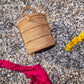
(67, 49)
(69, 45)
(74, 41)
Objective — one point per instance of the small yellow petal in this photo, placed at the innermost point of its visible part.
(67, 49)
(82, 35)
(69, 44)
(75, 40)
(79, 38)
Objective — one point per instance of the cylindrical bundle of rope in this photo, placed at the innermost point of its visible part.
(35, 31)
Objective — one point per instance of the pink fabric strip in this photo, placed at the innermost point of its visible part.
(36, 72)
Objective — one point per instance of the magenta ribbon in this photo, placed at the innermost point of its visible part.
(36, 73)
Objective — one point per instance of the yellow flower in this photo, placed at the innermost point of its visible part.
(75, 40)
(82, 35)
(80, 38)
(67, 49)
(68, 46)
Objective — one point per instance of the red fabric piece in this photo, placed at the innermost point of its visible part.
(36, 72)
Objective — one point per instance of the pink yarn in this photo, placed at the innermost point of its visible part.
(36, 72)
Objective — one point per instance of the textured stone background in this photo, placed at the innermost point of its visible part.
(66, 20)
